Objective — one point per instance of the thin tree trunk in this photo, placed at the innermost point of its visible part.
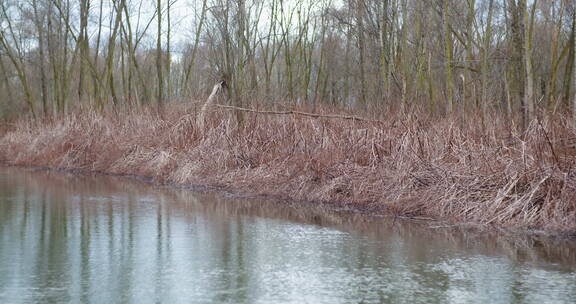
(384, 56)
(529, 90)
(470, 20)
(43, 79)
(168, 54)
(6, 81)
(570, 65)
(448, 47)
(555, 60)
(160, 96)
(361, 49)
(517, 83)
(84, 44)
(95, 77)
(16, 60)
(192, 60)
(487, 41)
(574, 68)
(111, 49)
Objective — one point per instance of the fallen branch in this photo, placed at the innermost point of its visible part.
(315, 115)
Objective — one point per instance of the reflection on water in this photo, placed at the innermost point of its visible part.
(70, 238)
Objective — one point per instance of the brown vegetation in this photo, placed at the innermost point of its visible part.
(447, 168)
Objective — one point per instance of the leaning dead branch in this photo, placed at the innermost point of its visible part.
(217, 89)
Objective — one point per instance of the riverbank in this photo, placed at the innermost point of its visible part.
(412, 165)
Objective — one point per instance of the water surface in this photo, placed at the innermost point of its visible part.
(101, 239)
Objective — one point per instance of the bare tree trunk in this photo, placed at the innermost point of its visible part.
(320, 73)
(16, 60)
(53, 60)
(134, 66)
(487, 41)
(168, 54)
(347, 85)
(401, 63)
(192, 60)
(84, 44)
(124, 73)
(573, 34)
(238, 78)
(429, 75)
(95, 77)
(7, 86)
(555, 59)
(529, 90)
(570, 65)
(384, 55)
(517, 55)
(361, 49)
(160, 96)
(470, 20)
(448, 47)
(38, 21)
(111, 48)
(287, 51)
(271, 49)
(65, 84)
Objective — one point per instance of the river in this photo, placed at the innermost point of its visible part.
(68, 238)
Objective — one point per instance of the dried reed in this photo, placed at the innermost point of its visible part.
(412, 165)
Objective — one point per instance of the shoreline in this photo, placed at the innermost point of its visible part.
(427, 168)
(337, 207)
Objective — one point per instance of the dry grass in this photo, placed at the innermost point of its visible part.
(444, 168)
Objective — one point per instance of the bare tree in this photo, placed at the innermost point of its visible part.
(57, 53)
(160, 93)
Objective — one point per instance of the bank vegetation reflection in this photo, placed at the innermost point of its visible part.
(66, 237)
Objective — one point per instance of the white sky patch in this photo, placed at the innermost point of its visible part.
(185, 15)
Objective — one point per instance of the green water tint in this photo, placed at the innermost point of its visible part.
(101, 239)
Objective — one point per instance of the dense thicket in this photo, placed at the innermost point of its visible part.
(515, 56)
(406, 165)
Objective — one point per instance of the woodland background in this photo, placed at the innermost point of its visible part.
(512, 56)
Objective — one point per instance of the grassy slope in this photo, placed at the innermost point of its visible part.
(412, 166)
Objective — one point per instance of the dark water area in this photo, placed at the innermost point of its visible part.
(68, 238)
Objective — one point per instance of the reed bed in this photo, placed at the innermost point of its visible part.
(455, 169)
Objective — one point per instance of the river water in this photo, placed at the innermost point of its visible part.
(68, 238)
